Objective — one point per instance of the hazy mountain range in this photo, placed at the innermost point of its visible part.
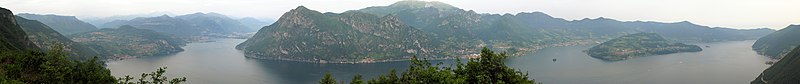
(197, 24)
(450, 32)
(62, 24)
(97, 21)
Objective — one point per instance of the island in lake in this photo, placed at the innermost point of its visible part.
(638, 45)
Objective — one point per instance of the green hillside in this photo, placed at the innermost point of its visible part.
(776, 45)
(638, 45)
(782, 72)
(306, 35)
(128, 41)
(45, 37)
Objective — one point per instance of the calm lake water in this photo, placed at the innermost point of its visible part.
(219, 63)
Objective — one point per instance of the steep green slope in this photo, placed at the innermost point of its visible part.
(776, 45)
(457, 28)
(785, 71)
(128, 41)
(45, 37)
(306, 35)
(65, 25)
(637, 45)
(12, 37)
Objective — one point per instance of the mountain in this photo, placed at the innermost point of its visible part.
(216, 22)
(777, 44)
(784, 71)
(638, 45)
(12, 37)
(127, 41)
(190, 25)
(455, 32)
(253, 23)
(164, 23)
(307, 35)
(459, 29)
(433, 16)
(45, 37)
(680, 31)
(98, 21)
(530, 31)
(63, 24)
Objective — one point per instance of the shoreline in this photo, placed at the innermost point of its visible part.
(532, 49)
(344, 62)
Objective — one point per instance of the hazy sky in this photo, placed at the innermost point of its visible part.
(745, 14)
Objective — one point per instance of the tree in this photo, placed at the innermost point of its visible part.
(357, 79)
(50, 67)
(156, 77)
(328, 79)
(488, 69)
(53, 67)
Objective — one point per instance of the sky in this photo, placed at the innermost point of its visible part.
(740, 14)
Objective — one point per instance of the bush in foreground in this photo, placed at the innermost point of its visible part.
(488, 69)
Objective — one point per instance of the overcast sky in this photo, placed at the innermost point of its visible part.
(743, 14)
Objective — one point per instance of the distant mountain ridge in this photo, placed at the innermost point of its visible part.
(190, 25)
(63, 24)
(421, 14)
(455, 32)
(535, 29)
(220, 23)
(253, 23)
(98, 21)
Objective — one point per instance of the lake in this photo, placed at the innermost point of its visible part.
(219, 62)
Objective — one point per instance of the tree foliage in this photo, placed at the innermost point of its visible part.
(54, 67)
(328, 79)
(357, 79)
(51, 67)
(488, 69)
(156, 77)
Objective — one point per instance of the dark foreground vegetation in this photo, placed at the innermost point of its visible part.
(53, 67)
(488, 69)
